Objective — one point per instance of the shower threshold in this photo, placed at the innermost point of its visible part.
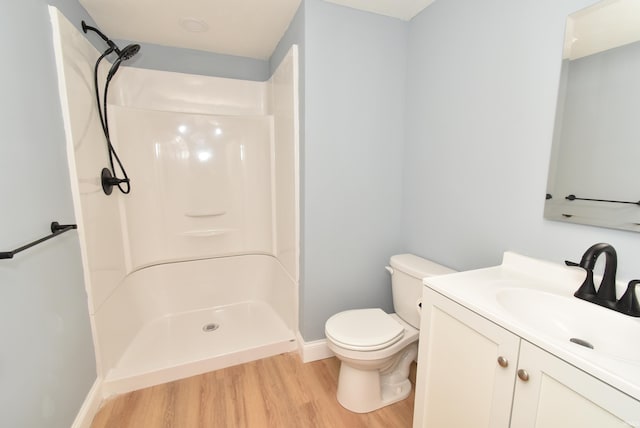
(189, 343)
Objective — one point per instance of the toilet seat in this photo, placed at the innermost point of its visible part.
(363, 329)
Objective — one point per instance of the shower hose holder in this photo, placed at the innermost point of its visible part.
(108, 181)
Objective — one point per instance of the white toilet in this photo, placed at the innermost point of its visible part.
(375, 348)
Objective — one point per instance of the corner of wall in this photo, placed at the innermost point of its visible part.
(314, 350)
(90, 407)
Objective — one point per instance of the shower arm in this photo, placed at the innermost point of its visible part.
(109, 42)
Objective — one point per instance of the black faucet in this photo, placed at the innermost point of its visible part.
(628, 303)
(606, 293)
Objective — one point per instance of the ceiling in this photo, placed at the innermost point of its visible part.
(401, 9)
(248, 28)
(601, 27)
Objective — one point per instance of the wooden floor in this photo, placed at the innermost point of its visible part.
(279, 391)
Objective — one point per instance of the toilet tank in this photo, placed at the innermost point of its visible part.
(407, 272)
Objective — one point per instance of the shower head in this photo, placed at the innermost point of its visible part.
(123, 55)
(128, 52)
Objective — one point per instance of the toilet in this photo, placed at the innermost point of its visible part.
(376, 349)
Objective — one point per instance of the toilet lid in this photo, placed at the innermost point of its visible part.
(363, 329)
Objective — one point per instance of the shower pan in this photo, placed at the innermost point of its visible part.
(196, 268)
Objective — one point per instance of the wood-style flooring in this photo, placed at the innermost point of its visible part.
(279, 391)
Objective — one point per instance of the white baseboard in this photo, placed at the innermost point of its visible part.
(314, 350)
(90, 406)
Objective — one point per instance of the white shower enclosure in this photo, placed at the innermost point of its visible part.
(197, 268)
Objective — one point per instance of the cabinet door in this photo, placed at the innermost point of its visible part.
(460, 383)
(558, 395)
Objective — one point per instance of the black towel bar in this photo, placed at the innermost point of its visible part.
(575, 198)
(56, 229)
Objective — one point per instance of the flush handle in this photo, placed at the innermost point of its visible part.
(389, 269)
(503, 362)
(523, 375)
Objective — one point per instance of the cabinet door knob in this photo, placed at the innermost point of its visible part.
(523, 375)
(503, 362)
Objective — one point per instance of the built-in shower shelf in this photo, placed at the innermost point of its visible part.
(207, 232)
(205, 213)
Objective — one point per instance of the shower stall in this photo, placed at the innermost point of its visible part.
(196, 268)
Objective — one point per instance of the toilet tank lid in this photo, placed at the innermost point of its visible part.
(417, 266)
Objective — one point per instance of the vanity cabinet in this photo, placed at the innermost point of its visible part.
(474, 373)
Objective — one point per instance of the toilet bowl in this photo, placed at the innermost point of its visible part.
(374, 371)
(376, 349)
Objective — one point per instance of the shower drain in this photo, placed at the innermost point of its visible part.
(210, 327)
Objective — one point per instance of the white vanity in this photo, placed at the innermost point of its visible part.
(509, 346)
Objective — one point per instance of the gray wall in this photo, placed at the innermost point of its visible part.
(355, 65)
(192, 61)
(482, 85)
(47, 363)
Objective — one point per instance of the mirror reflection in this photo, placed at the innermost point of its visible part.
(594, 176)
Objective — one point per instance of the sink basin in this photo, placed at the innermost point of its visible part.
(577, 323)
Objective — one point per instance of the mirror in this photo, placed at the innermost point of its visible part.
(594, 172)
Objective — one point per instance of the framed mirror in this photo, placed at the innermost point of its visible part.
(594, 171)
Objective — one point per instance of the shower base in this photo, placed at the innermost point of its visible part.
(189, 343)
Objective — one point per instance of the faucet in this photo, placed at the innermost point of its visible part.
(628, 303)
(606, 293)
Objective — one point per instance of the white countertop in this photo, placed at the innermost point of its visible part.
(478, 290)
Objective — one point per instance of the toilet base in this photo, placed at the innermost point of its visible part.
(363, 391)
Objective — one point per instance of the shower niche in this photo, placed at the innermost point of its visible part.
(208, 235)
